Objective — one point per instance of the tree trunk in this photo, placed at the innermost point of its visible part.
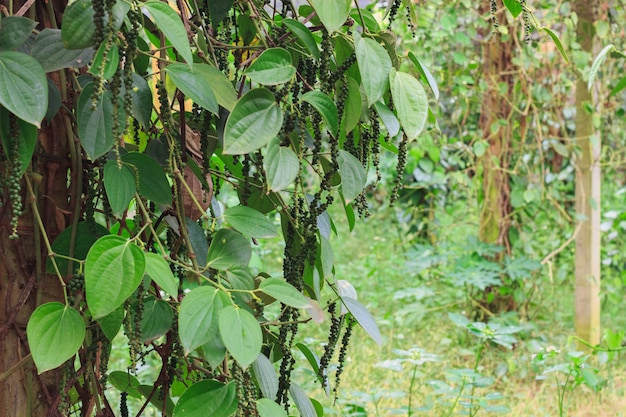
(23, 282)
(587, 192)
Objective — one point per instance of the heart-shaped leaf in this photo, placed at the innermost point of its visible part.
(332, 13)
(272, 67)
(250, 222)
(228, 250)
(241, 334)
(374, 66)
(325, 107)
(411, 102)
(194, 85)
(198, 316)
(119, 184)
(353, 175)
(207, 398)
(284, 292)
(281, 166)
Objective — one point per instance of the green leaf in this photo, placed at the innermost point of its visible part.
(95, 126)
(214, 351)
(26, 140)
(332, 13)
(14, 30)
(241, 334)
(618, 87)
(153, 183)
(54, 100)
(432, 83)
(156, 319)
(389, 119)
(220, 84)
(207, 398)
(250, 222)
(119, 184)
(55, 332)
(255, 120)
(86, 235)
(374, 66)
(228, 250)
(281, 166)
(159, 271)
(110, 65)
(327, 259)
(125, 382)
(365, 319)
(23, 87)
(157, 398)
(194, 85)
(218, 10)
(311, 357)
(112, 322)
(411, 102)
(353, 106)
(272, 67)
(170, 23)
(269, 408)
(514, 6)
(50, 52)
(142, 100)
(304, 35)
(113, 270)
(363, 16)
(197, 238)
(302, 401)
(198, 316)
(595, 67)
(557, 42)
(78, 28)
(284, 292)
(353, 175)
(266, 376)
(325, 107)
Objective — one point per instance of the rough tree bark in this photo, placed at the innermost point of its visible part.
(587, 191)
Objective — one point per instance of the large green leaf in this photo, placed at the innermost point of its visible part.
(332, 13)
(142, 100)
(272, 67)
(353, 175)
(26, 139)
(119, 184)
(220, 84)
(353, 106)
(411, 102)
(106, 60)
(50, 52)
(255, 120)
(250, 222)
(172, 27)
(95, 125)
(214, 351)
(113, 270)
(153, 183)
(284, 292)
(198, 316)
(14, 30)
(266, 377)
(304, 35)
(85, 236)
(23, 87)
(112, 322)
(159, 271)
(374, 66)
(78, 28)
(269, 408)
(281, 166)
(54, 332)
(325, 107)
(156, 319)
(125, 382)
(194, 85)
(241, 334)
(207, 398)
(228, 250)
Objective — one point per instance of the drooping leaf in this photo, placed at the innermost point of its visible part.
(332, 13)
(302, 401)
(113, 270)
(153, 183)
(198, 242)
(241, 334)
(595, 67)
(514, 6)
(26, 140)
(159, 271)
(23, 87)
(218, 10)
(557, 42)
(411, 102)
(255, 120)
(95, 126)
(618, 87)
(170, 23)
(374, 66)
(250, 222)
(228, 250)
(50, 52)
(389, 119)
(364, 317)
(112, 322)
(353, 175)
(327, 259)
(284, 292)
(84, 237)
(365, 19)
(304, 35)
(198, 316)
(54, 100)
(119, 183)
(281, 166)
(194, 85)
(214, 351)
(432, 83)
(156, 319)
(220, 84)
(272, 67)
(266, 376)
(54, 332)
(14, 31)
(125, 382)
(325, 107)
(78, 28)
(142, 100)
(353, 106)
(109, 66)
(207, 398)
(269, 408)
